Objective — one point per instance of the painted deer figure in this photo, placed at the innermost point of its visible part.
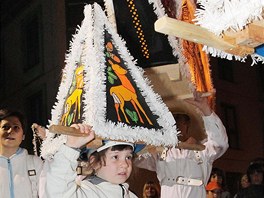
(125, 92)
(74, 100)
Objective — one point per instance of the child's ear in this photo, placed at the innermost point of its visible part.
(23, 138)
(91, 160)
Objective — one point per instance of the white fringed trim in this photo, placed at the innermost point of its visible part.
(220, 15)
(109, 7)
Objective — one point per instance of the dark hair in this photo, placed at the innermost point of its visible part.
(254, 168)
(221, 173)
(99, 157)
(4, 113)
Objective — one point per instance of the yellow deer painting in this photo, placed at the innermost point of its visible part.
(74, 99)
(125, 92)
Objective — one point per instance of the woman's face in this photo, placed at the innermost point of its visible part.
(244, 181)
(150, 190)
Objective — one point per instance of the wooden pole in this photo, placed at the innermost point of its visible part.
(97, 142)
(197, 34)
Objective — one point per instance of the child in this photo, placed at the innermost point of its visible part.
(218, 175)
(213, 190)
(111, 166)
(19, 171)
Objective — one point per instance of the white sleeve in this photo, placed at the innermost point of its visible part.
(217, 140)
(61, 172)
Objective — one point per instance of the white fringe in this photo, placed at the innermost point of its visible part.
(220, 15)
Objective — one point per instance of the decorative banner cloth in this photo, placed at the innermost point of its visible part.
(134, 20)
(102, 86)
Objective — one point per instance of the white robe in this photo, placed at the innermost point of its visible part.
(187, 163)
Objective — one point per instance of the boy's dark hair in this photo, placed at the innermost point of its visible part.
(4, 113)
(99, 157)
(221, 173)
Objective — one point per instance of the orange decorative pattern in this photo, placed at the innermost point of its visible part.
(138, 28)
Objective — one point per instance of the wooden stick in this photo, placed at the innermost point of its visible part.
(186, 96)
(59, 129)
(97, 142)
(197, 34)
(197, 147)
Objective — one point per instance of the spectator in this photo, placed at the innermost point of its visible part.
(243, 183)
(256, 188)
(218, 175)
(19, 171)
(213, 190)
(151, 190)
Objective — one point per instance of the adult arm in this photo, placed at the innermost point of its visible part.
(217, 140)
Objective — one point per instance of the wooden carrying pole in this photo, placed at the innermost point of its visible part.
(97, 142)
(197, 34)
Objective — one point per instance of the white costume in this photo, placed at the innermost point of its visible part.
(184, 173)
(62, 182)
(19, 175)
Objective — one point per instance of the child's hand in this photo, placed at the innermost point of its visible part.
(40, 130)
(77, 142)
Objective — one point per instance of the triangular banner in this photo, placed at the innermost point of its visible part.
(102, 86)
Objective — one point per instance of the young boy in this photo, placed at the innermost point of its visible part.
(111, 166)
(19, 172)
(213, 190)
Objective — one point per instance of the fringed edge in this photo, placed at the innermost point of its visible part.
(110, 11)
(221, 54)
(219, 16)
(51, 144)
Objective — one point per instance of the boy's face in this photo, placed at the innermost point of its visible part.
(216, 178)
(117, 167)
(256, 178)
(11, 132)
